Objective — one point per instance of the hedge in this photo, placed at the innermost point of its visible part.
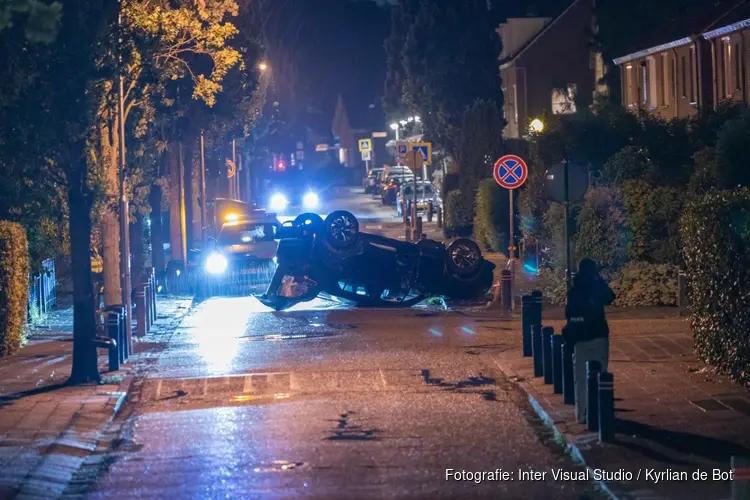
(716, 236)
(14, 285)
(457, 215)
(491, 216)
(645, 284)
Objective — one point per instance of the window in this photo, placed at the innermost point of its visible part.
(644, 83)
(684, 77)
(629, 83)
(693, 76)
(737, 67)
(563, 100)
(665, 94)
(726, 63)
(515, 103)
(653, 95)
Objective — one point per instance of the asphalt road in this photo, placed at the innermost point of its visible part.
(327, 402)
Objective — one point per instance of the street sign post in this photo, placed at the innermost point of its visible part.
(414, 160)
(365, 145)
(510, 172)
(567, 183)
(366, 155)
(425, 148)
(401, 149)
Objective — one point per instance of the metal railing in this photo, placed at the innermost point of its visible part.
(42, 292)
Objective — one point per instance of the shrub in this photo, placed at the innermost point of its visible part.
(645, 284)
(602, 232)
(491, 216)
(14, 285)
(716, 237)
(653, 214)
(457, 215)
(552, 285)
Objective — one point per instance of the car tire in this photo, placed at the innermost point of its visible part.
(463, 257)
(341, 229)
(309, 219)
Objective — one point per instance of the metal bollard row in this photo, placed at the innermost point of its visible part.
(557, 364)
(606, 407)
(430, 210)
(526, 314)
(440, 218)
(569, 391)
(506, 282)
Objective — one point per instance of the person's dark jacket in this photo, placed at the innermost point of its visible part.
(585, 310)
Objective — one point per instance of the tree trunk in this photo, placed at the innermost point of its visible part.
(85, 361)
(190, 191)
(110, 220)
(157, 234)
(194, 200)
(175, 230)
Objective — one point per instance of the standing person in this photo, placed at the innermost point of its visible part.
(586, 327)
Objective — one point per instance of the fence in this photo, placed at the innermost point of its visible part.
(42, 292)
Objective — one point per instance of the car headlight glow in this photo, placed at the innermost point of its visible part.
(311, 200)
(216, 264)
(278, 202)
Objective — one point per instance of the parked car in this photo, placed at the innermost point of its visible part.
(372, 181)
(425, 192)
(392, 185)
(332, 256)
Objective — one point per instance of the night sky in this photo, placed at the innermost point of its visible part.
(320, 49)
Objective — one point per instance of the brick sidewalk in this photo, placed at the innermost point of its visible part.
(47, 429)
(673, 413)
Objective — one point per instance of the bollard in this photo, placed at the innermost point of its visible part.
(147, 308)
(152, 280)
(113, 331)
(140, 312)
(547, 333)
(536, 307)
(557, 369)
(536, 343)
(592, 394)
(122, 340)
(407, 233)
(526, 312)
(423, 236)
(440, 217)
(569, 390)
(430, 210)
(606, 407)
(682, 298)
(417, 228)
(413, 212)
(505, 289)
(404, 213)
(740, 478)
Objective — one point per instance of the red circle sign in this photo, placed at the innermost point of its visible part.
(510, 171)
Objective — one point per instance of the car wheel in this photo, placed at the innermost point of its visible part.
(311, 220)
(342, 229)
(464, 257)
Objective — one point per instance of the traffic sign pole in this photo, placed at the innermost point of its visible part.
(511, 172)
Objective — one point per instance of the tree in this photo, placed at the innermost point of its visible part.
(448, 61)
(41, 18)
(481, 143)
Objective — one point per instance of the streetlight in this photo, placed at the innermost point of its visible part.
(417, 119)
(263, 66)
(537, 125)
(410, 119)
(403, 123)
(395, 127)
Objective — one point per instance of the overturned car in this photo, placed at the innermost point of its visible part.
(332, 256)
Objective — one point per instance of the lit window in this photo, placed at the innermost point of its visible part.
(629, 83)
(342, 156)
(665, 86)
(563, 100)
(652, 83)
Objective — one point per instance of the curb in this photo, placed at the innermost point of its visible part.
(560, 436)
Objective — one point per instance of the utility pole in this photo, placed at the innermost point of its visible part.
(233, 194)
(124, 208)
(183, 222)
(204, 222)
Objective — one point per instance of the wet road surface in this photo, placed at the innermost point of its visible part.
(328, 402)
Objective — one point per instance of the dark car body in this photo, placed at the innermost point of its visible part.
(333, 257)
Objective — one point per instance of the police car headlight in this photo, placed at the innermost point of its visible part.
(216, 264)
(279, 202)
(311, 200)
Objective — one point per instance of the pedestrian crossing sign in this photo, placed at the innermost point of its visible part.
(365, 145)
(425, 148)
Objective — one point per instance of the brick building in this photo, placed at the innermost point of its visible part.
(546, 66)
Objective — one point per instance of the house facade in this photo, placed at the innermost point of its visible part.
(546, 66)
(678, 78)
